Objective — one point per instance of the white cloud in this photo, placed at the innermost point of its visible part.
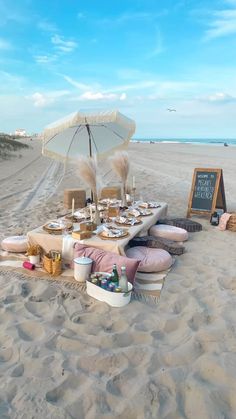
(4, 45)
(123, 96)
(42, 100)
(157, 47)
(47, 26)
(45, 59)
(81, 86)
(102, 96)
(63, 45)
(223, 23)
(219, 97)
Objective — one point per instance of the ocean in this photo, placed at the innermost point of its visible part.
(205, 141)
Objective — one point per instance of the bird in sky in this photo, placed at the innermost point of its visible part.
(171, 110)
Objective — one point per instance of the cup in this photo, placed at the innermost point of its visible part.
(34, 259)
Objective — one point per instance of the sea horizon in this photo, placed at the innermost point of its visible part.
(195, 141)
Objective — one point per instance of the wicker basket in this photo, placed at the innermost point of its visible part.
(47, 263)
(56, 267)
(231, 224)
(52, 266)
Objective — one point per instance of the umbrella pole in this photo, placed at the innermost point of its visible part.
(90, 152)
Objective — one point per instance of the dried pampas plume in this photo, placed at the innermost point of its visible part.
(87, 170)
(120, 165)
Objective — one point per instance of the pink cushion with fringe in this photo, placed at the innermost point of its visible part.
(151, 260)
(103, 260)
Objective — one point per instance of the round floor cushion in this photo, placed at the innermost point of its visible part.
(189, 225)
(151, 260)
(17, 244)
(169, 232)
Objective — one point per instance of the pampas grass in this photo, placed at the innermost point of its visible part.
(120, 165)
(87, 170)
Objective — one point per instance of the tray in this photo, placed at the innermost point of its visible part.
(138, 221)
(55, 227)
(103, 237)
(146, 215)
(150, 205)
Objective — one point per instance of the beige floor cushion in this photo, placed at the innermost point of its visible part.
(151, 260)
(169, 232)
(17, 244)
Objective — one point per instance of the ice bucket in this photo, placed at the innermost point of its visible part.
(82, 268)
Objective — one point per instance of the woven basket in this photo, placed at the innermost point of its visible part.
(231, 224)
(53, 267)
(56, 267)
(47, 264)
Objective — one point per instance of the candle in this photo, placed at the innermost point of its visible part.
(91, 213)
(73, 207)
(133, 181)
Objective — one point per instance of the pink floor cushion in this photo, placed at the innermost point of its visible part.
(17, 244)
(104, 260)
(169, 232)
(151, 260)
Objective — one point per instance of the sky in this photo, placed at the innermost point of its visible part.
(141, 57)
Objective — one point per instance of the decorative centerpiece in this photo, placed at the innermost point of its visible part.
(88, 172)
(120, 165)
(34, 253)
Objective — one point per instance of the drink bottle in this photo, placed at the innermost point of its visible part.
(114, 275)
(123, 281)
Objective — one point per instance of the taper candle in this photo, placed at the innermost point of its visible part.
(73, 207)
(91, 213)
(133, 181)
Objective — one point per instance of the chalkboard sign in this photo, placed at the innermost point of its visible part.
(207, 192)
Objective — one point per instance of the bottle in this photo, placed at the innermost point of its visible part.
(123, 282)
(114, 275)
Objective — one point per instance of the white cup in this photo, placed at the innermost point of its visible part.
(35, 259)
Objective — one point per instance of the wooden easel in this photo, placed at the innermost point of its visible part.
(205, 202)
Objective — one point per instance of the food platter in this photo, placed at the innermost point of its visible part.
(128, 221)
(140, 212)
(109, 201)
(145, 212)
(57, 227)
(149, 205)
(113, 233)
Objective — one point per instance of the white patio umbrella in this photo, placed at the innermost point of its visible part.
(87, 134)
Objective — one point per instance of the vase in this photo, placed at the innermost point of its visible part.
(96, 217)
(35, 259)
(124, 200)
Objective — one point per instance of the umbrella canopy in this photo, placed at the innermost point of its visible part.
(87, 134)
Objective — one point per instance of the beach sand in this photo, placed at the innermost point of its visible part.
(65, 355)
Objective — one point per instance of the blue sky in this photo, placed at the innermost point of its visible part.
(139, 56)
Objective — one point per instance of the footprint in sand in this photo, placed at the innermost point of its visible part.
(122, 383)
(67, 391)
(5, 354)
(18, 371)
(30, 331)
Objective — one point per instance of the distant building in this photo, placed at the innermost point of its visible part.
(20, 132)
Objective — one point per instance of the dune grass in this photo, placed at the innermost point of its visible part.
(10, 147)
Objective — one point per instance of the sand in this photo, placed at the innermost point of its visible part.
(65, 355)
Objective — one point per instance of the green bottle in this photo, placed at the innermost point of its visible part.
(114, 275)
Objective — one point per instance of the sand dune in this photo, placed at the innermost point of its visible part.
(65, 355)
